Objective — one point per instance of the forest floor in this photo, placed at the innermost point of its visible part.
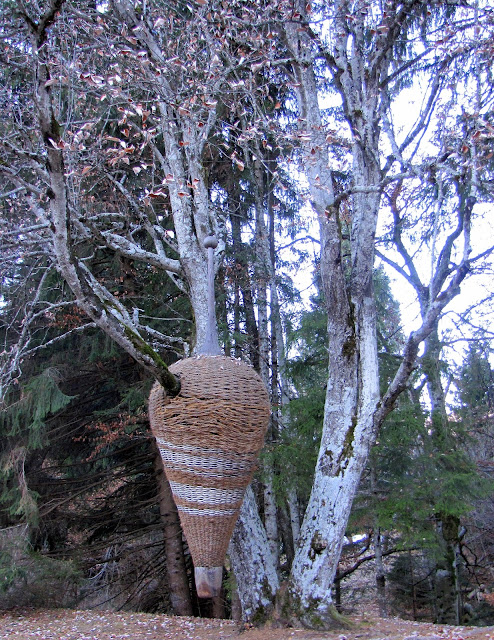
(66, 624)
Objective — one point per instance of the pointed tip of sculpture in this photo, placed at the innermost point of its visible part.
(208, 581)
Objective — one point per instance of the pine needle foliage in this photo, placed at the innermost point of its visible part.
(39, 398)
(23, 429)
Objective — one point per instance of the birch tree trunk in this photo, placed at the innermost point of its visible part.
(280, 392)
(279, 374)
(353, 384)
(244, 285)
(191, 215)
(353, 411)
(253, 565)
(262, 273)
(185, 133)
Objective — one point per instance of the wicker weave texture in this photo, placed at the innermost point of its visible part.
(209, 438)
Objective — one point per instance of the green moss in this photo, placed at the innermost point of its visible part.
(340, 619)
(333, 620)
(260, 616)
(347, 450)
(350, 319)
(143, 347)
(349, 347)
(283, 603)
(264, 613)
(311, 617)
(167, 379)
(316, 621)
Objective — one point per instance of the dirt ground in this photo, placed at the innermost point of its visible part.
(63, 624)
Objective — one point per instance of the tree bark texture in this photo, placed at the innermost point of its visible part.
(262, 277)
(353, 389)
(353, 412)
(253, 564)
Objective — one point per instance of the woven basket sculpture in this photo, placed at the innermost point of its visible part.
(209, 437)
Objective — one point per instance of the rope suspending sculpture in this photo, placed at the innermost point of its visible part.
(209, 437)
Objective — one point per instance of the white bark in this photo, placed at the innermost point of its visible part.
(281, 395)
(377, 543)
(353, 390)
(353, 412)
(294, 512)
(252, 562)
(270, 512)
(190, 212)
(262, 271)
(347, 436)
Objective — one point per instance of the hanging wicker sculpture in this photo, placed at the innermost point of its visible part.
(209, 437)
